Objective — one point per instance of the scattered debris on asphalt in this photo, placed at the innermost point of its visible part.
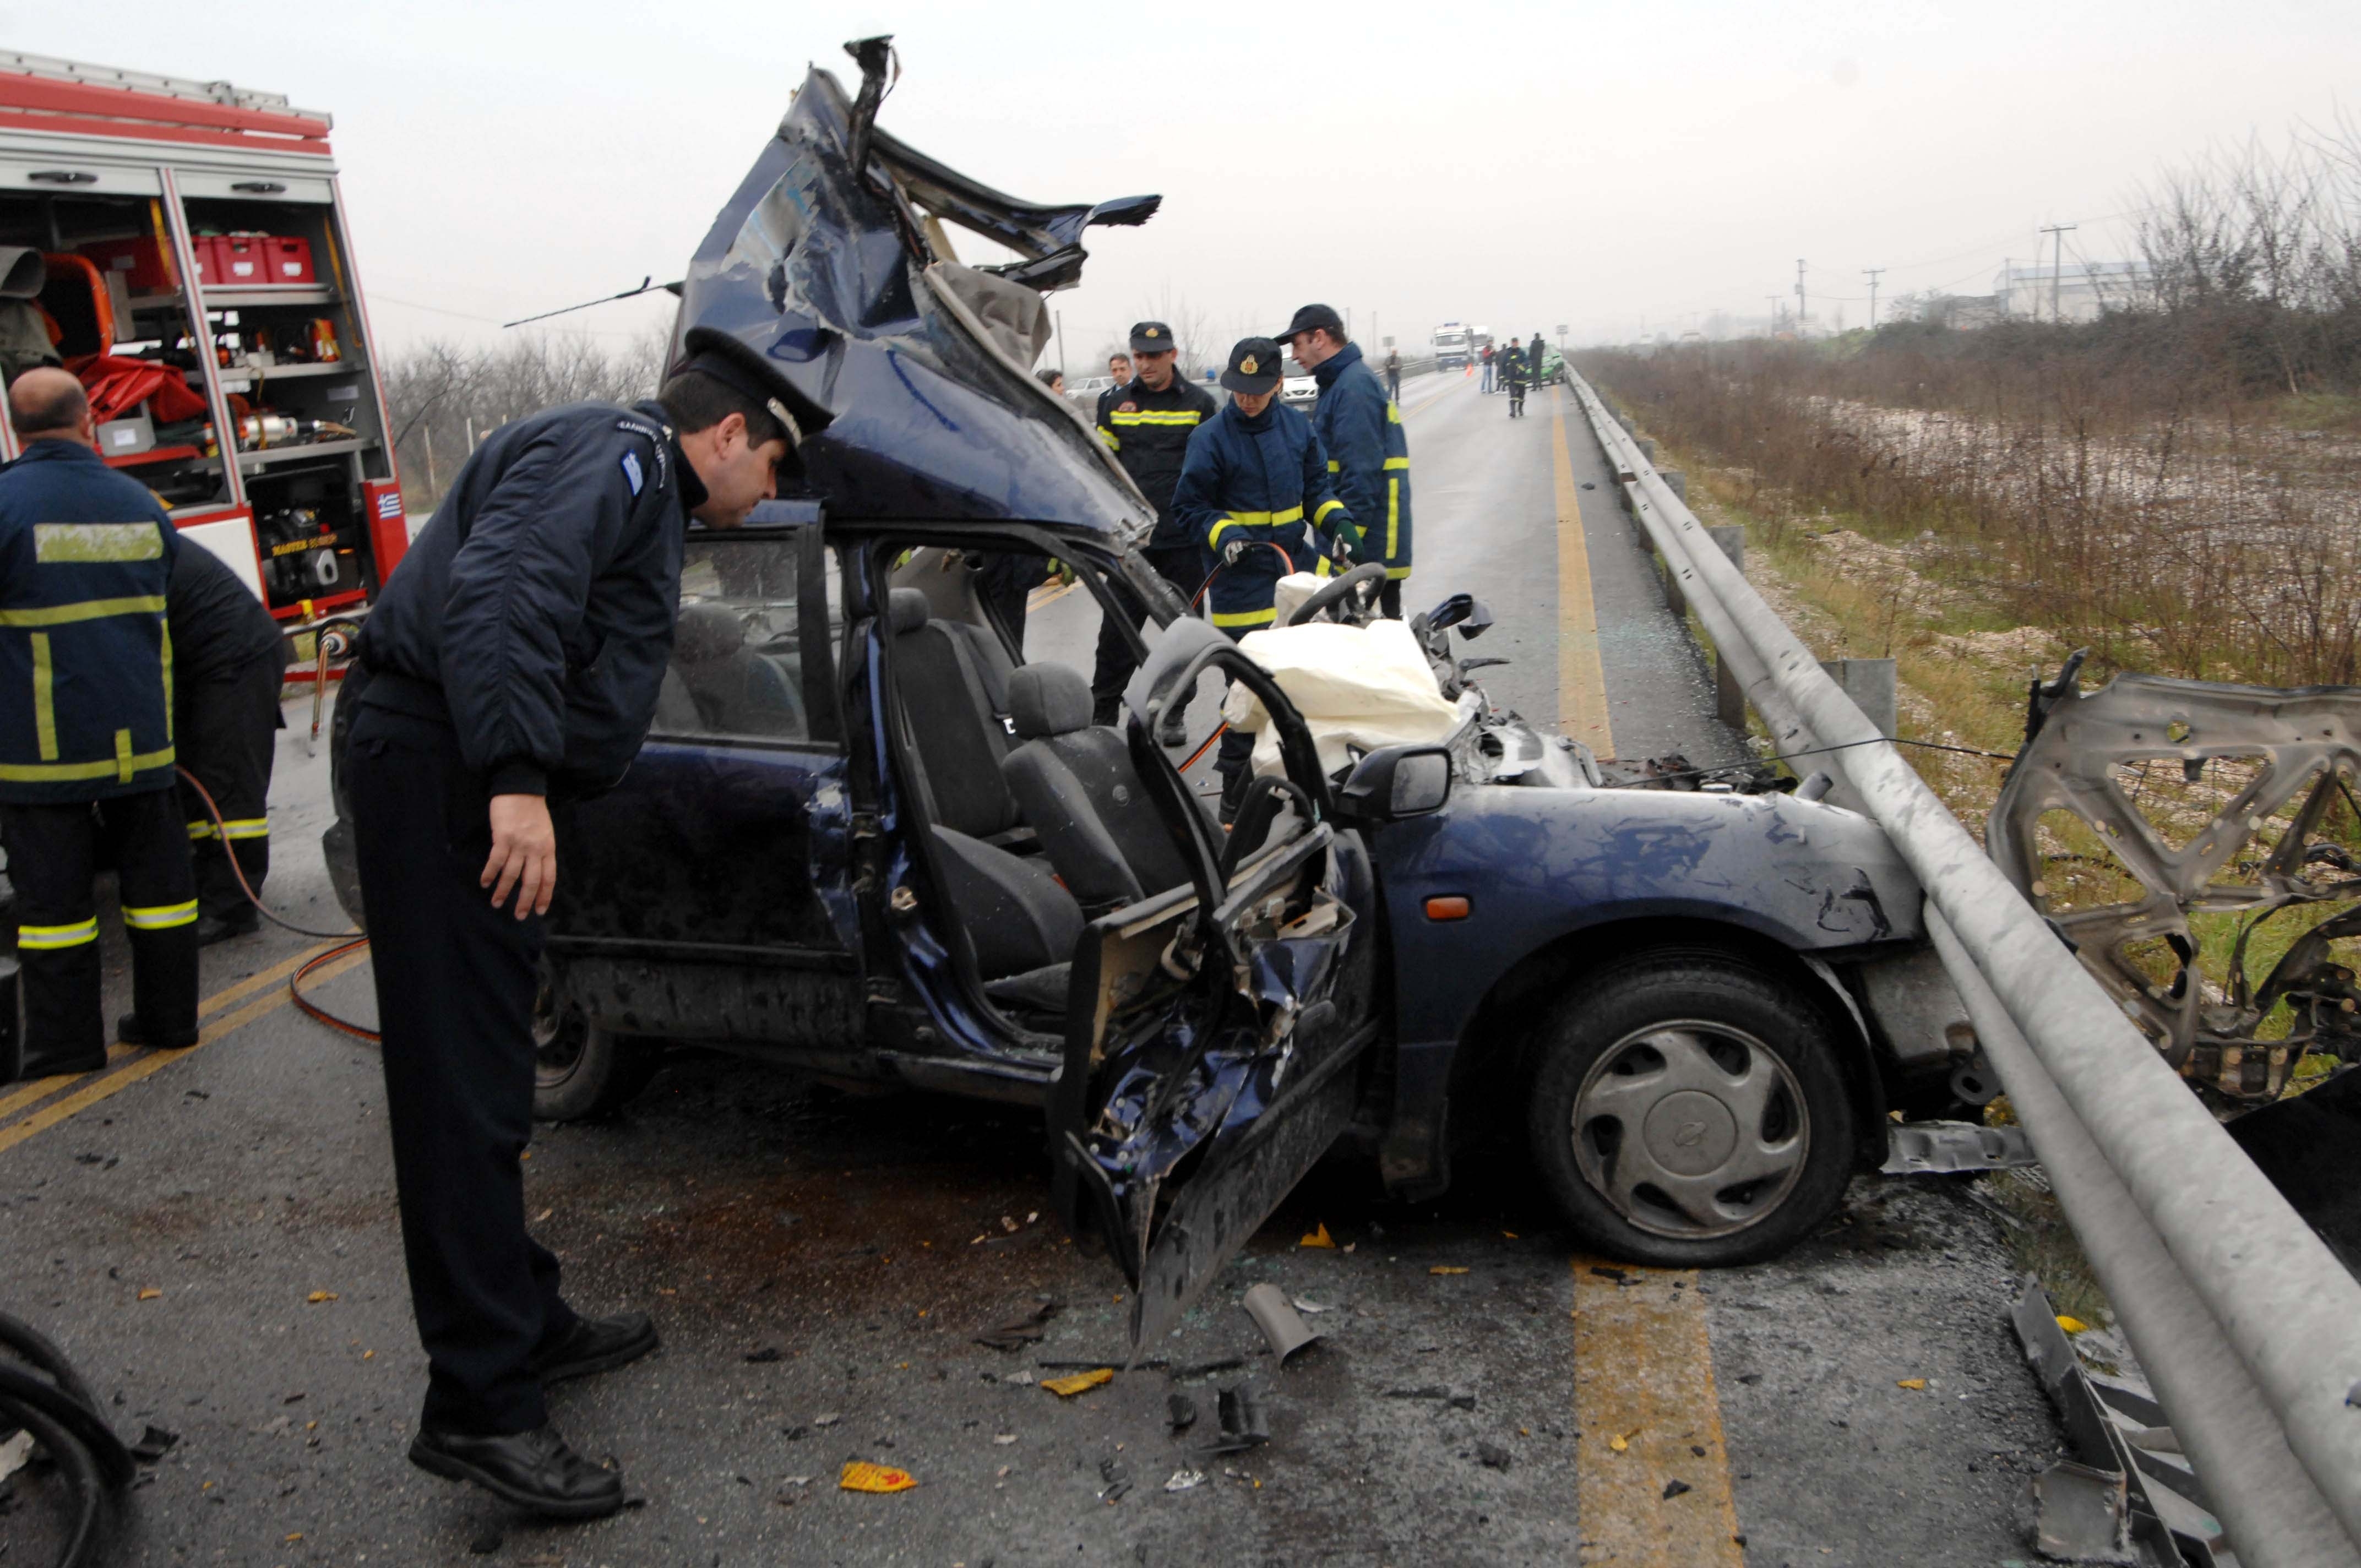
(1674, 1488)
(314, 1298)
(1302, 1305)
(1027, 1330)
(765, 1355)
(1185, 1480)
(1183, 1411)
(1281, 1327)
(1915, 1384)
(1447, 1268)
(1493, 1455)
(153, 1445)
(860, 1476)
(829, 1419)
(1940, 1148)
(1244, 1425)
(1080, 1383)
(1319, 1237)
(1117, 1478)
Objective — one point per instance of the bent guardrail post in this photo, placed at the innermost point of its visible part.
(2281, 1299)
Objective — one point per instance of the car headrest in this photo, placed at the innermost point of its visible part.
(905, 610)
(706, 632)
(1049, 699)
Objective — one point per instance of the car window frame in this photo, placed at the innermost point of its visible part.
(823, 711)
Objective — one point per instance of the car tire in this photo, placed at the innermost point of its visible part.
(1687, 1110)
(585, 1072)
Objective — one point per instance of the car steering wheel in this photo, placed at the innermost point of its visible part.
(1357, 592)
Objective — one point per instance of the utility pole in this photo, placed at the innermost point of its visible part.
(1872, 273)
(1799, 296)
(2057, 262)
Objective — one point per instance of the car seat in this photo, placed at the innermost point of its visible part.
(1075, 784)
(736, 691)
(959, 738)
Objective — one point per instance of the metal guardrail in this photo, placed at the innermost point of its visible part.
(2248, 1328)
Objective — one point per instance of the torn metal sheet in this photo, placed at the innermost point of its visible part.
(2140, 814)
(1281, 1327)
(1921, 1148)
(2147, 1493)
(1244, 1425)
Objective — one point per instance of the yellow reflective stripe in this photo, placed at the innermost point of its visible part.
(1396, 462)
(247, 826)
(1398, 573)
(1393, 518)
(68, 773)
(159, 917)
(41, 937)
(1334, 467)
(165, 652)
(1109, 437)
(85, 544)
(45, 707)
(1321, 515)
(1393, 413)
(88, 609)
(1262, 616)
(123, 768)
(201, 829)
(1265, 518)
(1154, 416)
(1213, 534)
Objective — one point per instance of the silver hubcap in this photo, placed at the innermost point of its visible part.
(1691, 1129)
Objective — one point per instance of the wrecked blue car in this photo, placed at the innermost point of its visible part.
(867, 843)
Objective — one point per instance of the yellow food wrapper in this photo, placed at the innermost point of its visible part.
(1081, 1382)
(2071, 1325)
(1319, 1237)
(860, 1476)
(1446, 1268)
(1913, 1384)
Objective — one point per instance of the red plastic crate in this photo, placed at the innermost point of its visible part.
(144, 267)
(240, 261)
(287, 259)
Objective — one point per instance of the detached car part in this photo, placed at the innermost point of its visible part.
(2158, 824)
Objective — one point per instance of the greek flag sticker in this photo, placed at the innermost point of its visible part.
(631, 471)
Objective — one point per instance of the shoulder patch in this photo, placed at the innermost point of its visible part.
(1126, 407)
(633, 471)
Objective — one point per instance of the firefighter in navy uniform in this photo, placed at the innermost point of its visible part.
(229, 662)
(1361, 427)
(87, 736)
(516, 654)
(1149, 421)
(1256, 489)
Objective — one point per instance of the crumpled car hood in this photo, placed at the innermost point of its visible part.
(910, 373)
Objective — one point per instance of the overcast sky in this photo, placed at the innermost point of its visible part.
(1518, 165)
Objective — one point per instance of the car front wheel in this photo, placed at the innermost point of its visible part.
(1687, 1110)
(582, 1072)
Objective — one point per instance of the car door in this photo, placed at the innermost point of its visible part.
(1218, 1035)
(706, 895)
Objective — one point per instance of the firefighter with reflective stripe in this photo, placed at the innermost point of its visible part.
(228, 661)
(1256, 489)
(1149, 421)
(87, 736)
(1368, 453)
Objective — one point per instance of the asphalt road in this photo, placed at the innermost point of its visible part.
(210, 1236)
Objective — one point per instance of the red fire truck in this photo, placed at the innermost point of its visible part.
(184, 247)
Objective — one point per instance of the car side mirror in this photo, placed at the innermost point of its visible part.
(1397, 781)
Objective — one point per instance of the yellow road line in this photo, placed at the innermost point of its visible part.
(146, 1063)
(1644, 1376)
(42, 1088)
(1581, 681)
(1048, 595)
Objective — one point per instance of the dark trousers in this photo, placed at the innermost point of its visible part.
(455, 981)
(51, 854)
(1183, 566)
(1390, 599)
(1393, 384)
(227, 732)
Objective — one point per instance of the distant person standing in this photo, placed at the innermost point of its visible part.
(1148, 423)
(1361, 428)
(1487, 354)
(1512, 379)
(1053, 378)
(1533, 360)
(228, 664)
(1393, 374)
(87, 736)
(1119, 372)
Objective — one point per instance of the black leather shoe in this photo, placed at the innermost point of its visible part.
(130, 1031)
(212, 928)
(596, 1345)
(536, 1470)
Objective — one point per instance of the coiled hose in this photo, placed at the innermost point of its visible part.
(41, 1392)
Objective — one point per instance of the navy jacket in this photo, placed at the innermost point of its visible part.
(534, 613)
(85, 659)
(1264, 480)
(218, 626)
(1368, 454)
(1149, 432)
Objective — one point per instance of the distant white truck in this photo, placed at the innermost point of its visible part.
(1452, 349)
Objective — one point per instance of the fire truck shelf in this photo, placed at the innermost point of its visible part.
(242, 380)
(248, 462)
(153, 455)
(242, 299)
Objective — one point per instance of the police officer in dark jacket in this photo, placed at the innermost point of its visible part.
(1148, 422)
(229, 662)
(516, 654)
(87, 736)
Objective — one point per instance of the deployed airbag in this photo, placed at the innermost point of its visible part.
(1358, 687)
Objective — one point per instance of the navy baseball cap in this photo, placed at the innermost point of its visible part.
(1312, 316)
(1253, 368)
(1151, 337)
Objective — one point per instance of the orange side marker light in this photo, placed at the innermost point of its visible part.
(1450, 907)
